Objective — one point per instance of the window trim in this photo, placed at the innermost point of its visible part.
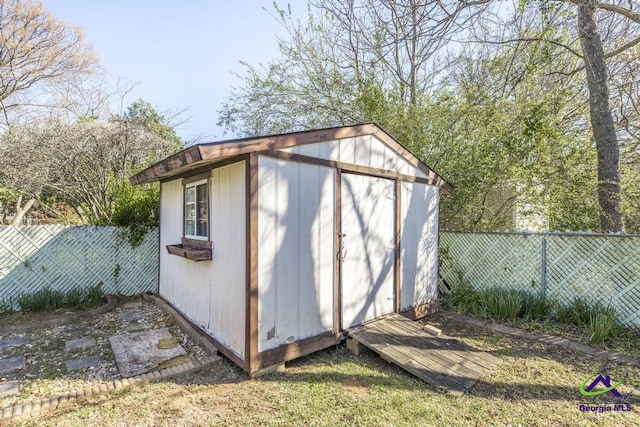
(190, 182)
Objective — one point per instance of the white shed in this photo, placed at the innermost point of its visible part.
(276, 245)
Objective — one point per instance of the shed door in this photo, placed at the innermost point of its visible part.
(368, 248)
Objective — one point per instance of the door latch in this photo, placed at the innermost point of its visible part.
(342, 252)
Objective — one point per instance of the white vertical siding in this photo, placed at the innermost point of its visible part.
(227, 273)
(419, 244)
(182, 282)
(296, 249)
(171, 214)
(210, 293)
(365, 150)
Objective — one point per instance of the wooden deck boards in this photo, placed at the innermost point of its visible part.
(441, 361)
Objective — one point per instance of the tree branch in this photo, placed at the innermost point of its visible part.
(634, 16)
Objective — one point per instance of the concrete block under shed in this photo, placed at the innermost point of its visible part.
(268, 370)
(355, 347)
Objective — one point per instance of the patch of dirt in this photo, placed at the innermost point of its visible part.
(354, 388)
(166, 343)
(19, 318)
(176, 361)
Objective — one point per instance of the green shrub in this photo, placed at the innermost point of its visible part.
(463, 298)
(477, 309)
(535, 306)
(581, 312)
(498, 303)
(136, 208)
(563, 313)
(501, 303)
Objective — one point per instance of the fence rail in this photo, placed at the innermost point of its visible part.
(62, 257)
(596, 267)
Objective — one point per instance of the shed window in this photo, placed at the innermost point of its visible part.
(196, 210)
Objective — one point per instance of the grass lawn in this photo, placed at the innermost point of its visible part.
(536, 384)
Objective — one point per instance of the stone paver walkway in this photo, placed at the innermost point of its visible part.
(10, 364)
(78, 343)
(71, 343)
(83, 363)
(15, 342)
(134, 318)
(133, 304)
(131, 315)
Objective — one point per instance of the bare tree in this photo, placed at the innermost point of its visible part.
(36, 49)
(81, 163)
(402, 41)
(343, 51)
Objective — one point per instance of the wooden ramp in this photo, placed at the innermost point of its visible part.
(440, 361)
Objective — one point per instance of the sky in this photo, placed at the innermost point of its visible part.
(179, 54)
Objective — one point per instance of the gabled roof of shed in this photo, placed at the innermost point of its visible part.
(199, 155)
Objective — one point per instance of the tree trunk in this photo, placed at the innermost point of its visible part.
(604, 132)
(21, 210)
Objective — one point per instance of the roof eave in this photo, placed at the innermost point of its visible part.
(210, 152)
(179, 160)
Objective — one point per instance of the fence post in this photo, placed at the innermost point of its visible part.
(544, 267)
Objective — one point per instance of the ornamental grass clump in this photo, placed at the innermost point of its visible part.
(535, 306)
(501, 304)
(47, 299)
(602, 325)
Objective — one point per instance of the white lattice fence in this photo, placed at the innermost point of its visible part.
(485, 260)
(63, 257)
(598, 268)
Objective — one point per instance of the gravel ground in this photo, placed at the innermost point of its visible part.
(45, 373)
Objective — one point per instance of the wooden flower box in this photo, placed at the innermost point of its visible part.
(193, 250)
